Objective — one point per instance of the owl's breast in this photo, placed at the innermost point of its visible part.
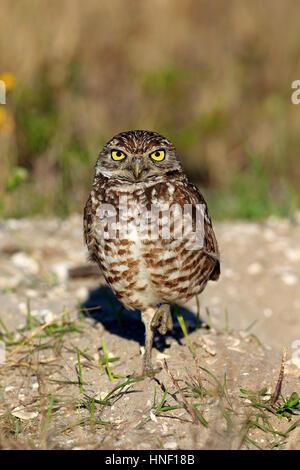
(145, 253)
(124, 266)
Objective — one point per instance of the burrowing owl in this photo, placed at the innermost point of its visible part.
(142, 224)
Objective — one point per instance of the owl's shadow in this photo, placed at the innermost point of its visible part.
(127, 323)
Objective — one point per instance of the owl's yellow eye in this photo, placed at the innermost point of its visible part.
(158, 155)
(117, 155)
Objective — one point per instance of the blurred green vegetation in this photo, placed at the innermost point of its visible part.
(214, 77)
(251, 195)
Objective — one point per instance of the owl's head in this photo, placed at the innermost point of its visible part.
(137, 156)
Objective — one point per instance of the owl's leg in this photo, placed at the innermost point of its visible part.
(162, 320)
(147, 317)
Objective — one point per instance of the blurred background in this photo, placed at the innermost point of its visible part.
(213, 77)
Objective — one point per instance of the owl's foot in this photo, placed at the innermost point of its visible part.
(162, 320)
(146, 372)
(150, 371)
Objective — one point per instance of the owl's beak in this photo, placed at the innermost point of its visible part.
(137, 167)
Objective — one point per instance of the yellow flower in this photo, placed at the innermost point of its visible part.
(9, 79)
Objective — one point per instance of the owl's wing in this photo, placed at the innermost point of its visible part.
(87, 230)
(210, 242)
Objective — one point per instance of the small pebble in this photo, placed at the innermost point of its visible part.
(61, 270)
(161, 356)
(292, 255)
(23, 261)
(268, 312)
(254, 268)
(82, 293)
(22, 308)
(31, 293)
(208, 345)
(172, 445)
(47, 315)
(153, 416)
(165, 428)
(23, 414)
(289, 279)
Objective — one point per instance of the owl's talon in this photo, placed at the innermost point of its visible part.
(162, 320)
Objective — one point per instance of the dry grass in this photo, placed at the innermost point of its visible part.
(215, 77)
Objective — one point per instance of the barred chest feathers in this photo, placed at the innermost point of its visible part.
(142, 271)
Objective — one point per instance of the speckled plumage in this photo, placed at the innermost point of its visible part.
(145, 272)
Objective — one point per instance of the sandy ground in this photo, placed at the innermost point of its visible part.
(248, 317)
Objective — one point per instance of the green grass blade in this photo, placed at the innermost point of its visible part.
(184, 329)
(79, 371)
(110, 375)
(29, 317)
